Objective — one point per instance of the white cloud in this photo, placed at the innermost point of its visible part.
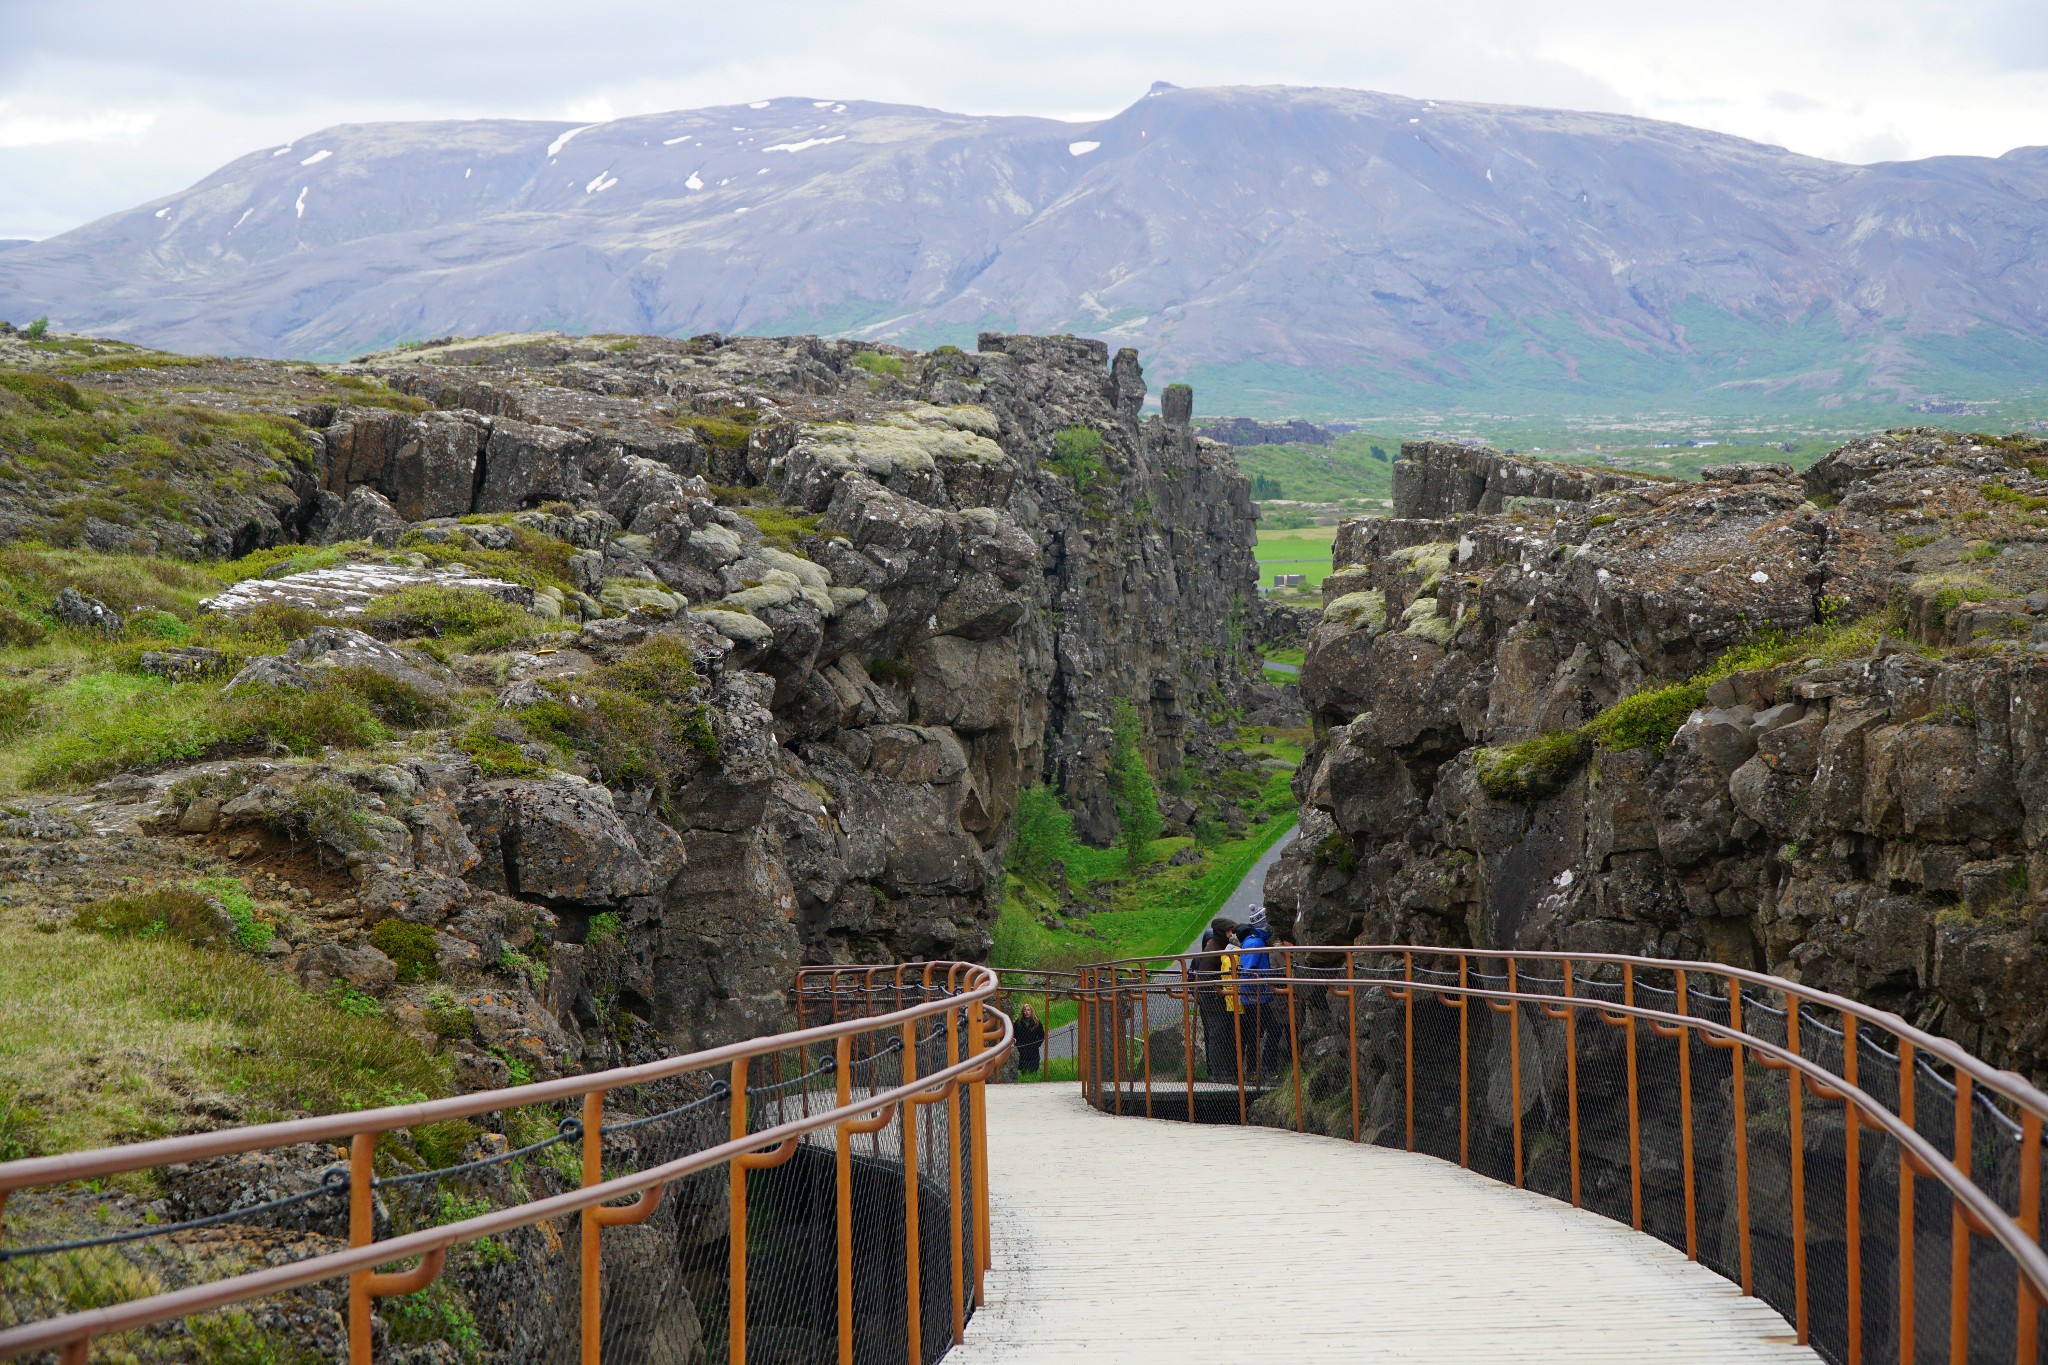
(108, 103)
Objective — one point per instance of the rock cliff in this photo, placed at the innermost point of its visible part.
(672, 664)
(1791, 722)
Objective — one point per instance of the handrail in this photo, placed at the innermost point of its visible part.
(70, 1331)
(2017, 1087)
(1331, 979)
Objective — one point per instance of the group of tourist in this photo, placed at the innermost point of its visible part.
(1243, 1031)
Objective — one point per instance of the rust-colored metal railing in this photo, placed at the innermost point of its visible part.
(846, 1019)
(1731, 1161)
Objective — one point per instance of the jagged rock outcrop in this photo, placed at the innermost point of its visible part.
(1828, 761)
(752, 644)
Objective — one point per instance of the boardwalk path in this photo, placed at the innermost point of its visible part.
(1136, 1240)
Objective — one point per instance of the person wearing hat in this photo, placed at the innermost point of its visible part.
(1262, 1011)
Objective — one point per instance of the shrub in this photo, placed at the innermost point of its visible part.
(605, 930)
(45, 393)
(1532, 769)
(876, 363)
(1076, 453)
(434, 1315)
(327, 812)
(1045, 832)
(511, 960)
(393, 699)
(409, 945)
(38, 329)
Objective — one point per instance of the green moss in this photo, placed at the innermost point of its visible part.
(635, 720)
(411, 946)
(605, 929)
(367, 391)
(782, 527)
(1532, 769)
(727, 432)
(1648, 719)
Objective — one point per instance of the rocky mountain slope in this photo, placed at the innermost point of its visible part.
(1324, 250)
(554, 698)
(1781, 721)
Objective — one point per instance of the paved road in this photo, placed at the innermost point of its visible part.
(1250, 891)
(1131, 1240)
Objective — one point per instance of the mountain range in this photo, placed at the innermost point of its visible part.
(1324, 252)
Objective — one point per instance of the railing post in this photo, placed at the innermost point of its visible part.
(1740, 1056)
(842, 1070)
(1635, 1123)
(1852, 1194)
(1408, 1067)
(736, 1221)
(1515, 1064)
(1464, 1065)
(1144, 1005)
(1189, 1007)
(912, 1322)
(1959, 1231)
(1908, 1277)
(590, 1231)
(1294, 1042)
(1351, 1035)
(1692, 1229)
(958, 1245)
(362, 1152)
(977, 1116)
(2027, 1331)
(1796, 1112)
(1571, 1076)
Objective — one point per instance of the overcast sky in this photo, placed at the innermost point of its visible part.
(106, 103)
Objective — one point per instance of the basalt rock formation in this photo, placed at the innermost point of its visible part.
(710, 658)
(1792, 722)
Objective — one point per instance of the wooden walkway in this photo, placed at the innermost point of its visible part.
(1135, 1240)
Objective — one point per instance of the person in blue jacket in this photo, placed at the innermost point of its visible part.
(1262, 1010)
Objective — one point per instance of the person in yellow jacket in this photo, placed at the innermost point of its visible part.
(1213, 973)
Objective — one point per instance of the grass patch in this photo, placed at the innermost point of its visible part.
(105, 722)
(116, 1039)
(782, 527)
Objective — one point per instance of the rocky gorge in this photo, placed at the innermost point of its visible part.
(1788, 721)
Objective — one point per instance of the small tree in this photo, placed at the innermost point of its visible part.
(1130, 785)
(38, 329)
(1045, 832)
